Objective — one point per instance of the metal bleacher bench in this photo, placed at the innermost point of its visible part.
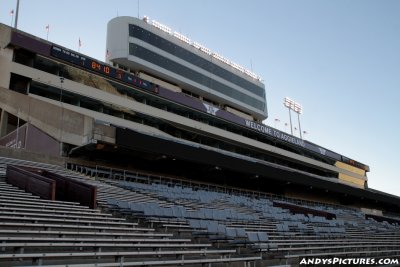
(21, 217)
(64, 226)
(159, 246)
(45, 214)
(22, 203)
(340, 253)
(93, 240)
(84, 233)
(330, 248)
(37, 258)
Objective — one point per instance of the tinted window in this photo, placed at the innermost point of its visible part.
(194, 59)
(145, 54)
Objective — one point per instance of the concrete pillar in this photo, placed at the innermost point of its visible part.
(3, 123)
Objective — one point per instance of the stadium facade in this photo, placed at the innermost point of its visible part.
(163, 103)
(171, 59)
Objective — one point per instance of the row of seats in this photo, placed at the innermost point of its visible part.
(276, 232)
(291, 234)
(35, 231)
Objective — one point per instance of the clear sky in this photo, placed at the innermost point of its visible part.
(339, 59)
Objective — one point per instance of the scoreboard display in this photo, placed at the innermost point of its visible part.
(101, 68)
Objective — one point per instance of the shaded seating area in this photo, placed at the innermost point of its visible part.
(296, 209)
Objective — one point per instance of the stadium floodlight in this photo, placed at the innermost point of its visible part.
(161, 27)
(296, 107)
(289, 103)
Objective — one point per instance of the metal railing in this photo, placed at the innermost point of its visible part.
(104, 172)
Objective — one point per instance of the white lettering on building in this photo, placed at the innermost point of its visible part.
(274, 133)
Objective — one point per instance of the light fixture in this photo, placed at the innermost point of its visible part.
(296, 107)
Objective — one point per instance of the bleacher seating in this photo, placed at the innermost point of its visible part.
(276, 232)
(142, 222)
(35, 231)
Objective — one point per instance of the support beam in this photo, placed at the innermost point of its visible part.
(3, 123)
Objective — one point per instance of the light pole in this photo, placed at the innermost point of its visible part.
(289, 103)
(296, 107)
(16, 16)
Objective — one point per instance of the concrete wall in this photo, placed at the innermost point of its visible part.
(6, 54)
(31, 156)
(240, 114)
(160, 82)
(59, 123)
(30, 138)
(312, 196)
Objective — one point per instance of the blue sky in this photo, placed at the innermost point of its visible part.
(339, 59)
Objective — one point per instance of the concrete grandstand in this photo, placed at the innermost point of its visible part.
(178, 172)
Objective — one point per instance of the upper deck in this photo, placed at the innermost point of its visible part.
(142, 47)
(37, 65)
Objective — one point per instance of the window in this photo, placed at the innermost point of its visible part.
(145, 54)
(167, 46)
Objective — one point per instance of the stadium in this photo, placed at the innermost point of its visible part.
(159, 157)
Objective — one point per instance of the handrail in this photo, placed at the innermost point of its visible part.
(149, 178)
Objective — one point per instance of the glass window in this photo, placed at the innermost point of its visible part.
(145, 54)
(169, 47)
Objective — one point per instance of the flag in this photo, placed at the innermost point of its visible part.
(80, 43)
(107, 54)
(47, 30)
(12, 12)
